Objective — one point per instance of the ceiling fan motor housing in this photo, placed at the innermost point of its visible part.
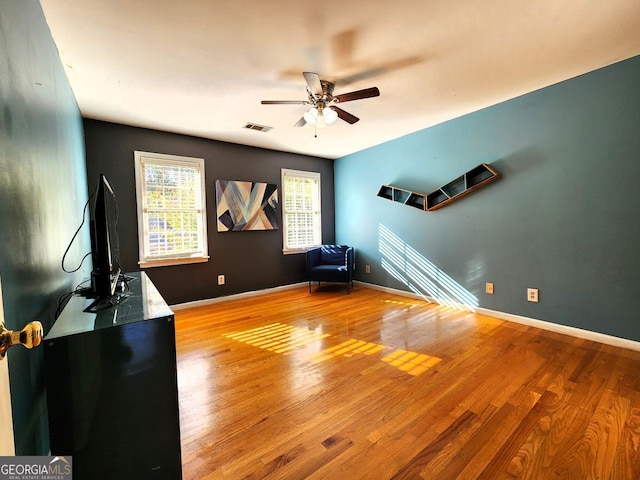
(327, 93)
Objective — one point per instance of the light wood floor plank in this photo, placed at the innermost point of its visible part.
(370, 385)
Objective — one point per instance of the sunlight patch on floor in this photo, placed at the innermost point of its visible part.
(411, 362)
(283, 339)
(347, 349)
(277, 337)
(403, 303)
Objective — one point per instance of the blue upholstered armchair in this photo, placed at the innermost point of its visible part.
(331, 263)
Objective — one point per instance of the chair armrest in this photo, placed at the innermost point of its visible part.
(351, 258)
(313, 258)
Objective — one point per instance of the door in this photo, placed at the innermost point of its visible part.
(7, 447)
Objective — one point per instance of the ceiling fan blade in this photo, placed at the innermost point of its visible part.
(358, 94)
(313, 81)
(378, 69)
(284, 102)
(346, 116)
(301, 123)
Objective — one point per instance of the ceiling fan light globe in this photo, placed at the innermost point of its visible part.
(329, 115)
(311, 116)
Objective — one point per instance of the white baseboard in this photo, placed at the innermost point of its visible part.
(509, 317)
(564, 329)
(542, 324)
(389, 290)
(209, 301)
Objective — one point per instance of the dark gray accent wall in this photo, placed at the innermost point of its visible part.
(564, 217)
(249, 260)
(42, 194)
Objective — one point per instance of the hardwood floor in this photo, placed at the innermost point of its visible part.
(292, 385)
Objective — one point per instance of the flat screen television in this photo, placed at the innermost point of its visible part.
(105, 246)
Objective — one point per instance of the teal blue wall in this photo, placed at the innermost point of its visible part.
(42, 191)
(564, 217)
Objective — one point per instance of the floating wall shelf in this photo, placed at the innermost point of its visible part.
(461, 186)
(406, 197)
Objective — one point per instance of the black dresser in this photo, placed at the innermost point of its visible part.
(112, 388)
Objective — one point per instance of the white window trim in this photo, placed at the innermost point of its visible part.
(164, 159)
(299, 173)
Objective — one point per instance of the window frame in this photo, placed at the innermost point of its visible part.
(141, 158)
(287, 172)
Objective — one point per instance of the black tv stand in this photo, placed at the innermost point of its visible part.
(104, 303)
(112, 389)
(101, 303)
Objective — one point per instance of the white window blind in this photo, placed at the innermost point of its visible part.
(302, 226)
(171, 209)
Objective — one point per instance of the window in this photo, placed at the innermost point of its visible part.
(172, 226)
(302, 228)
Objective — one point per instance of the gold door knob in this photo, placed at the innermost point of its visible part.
(30, 336)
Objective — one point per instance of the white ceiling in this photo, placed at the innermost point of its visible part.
(201, 67)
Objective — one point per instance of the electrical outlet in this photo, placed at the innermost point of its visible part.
(367, 269)
(532, 295)
(488, 288)
(220, 279)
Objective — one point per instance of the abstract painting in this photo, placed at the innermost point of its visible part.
(246, 206)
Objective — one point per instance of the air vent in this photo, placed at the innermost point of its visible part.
(259, 128)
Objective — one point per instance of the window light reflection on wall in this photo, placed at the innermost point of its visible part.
(423, 277)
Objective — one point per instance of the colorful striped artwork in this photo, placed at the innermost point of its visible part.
(246, 206)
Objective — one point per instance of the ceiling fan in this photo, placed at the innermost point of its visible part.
(320, 96)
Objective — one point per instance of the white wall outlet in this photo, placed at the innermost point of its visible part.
(367, 269)
(488, 288)
(532, 295)
(220, 279)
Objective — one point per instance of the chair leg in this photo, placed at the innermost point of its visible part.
(348, 286)
(309, 286)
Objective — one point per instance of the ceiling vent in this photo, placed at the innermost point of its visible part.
(259, 128)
